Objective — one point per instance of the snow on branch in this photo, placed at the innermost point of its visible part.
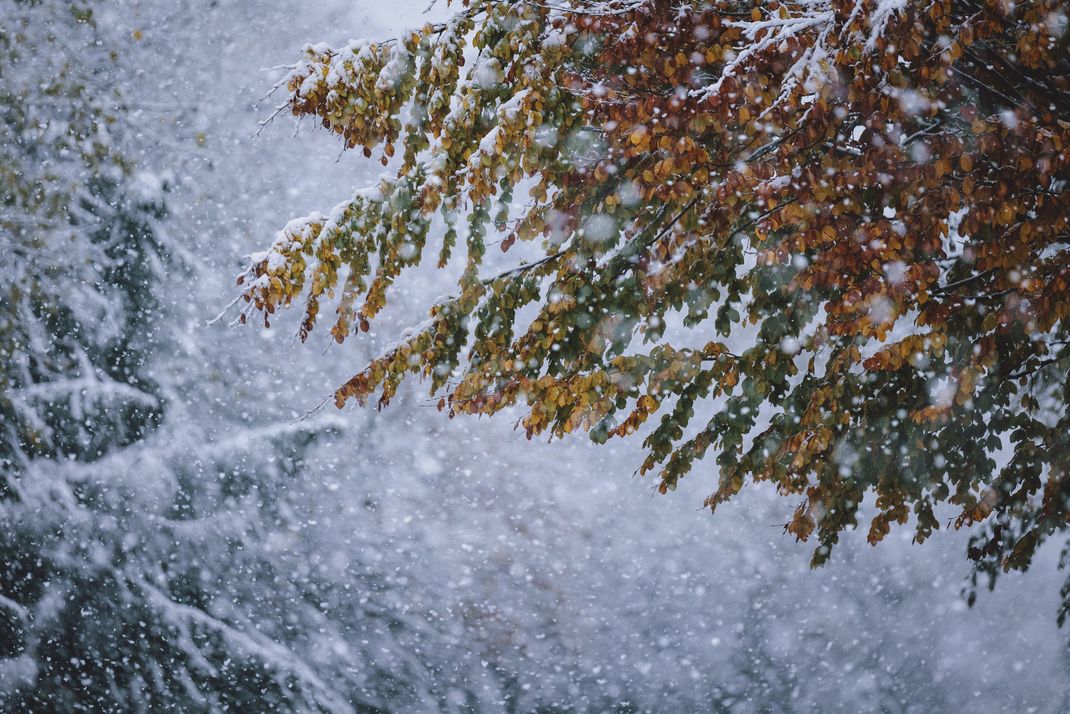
(812, 29)
(271, 653)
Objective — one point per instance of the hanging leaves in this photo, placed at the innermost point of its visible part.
(864, 200)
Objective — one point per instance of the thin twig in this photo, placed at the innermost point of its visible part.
(314, 410)
(267, 121)
(225, 310)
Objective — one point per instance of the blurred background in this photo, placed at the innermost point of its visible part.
(174, 536)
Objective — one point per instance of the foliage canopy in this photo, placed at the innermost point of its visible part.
(835, 229)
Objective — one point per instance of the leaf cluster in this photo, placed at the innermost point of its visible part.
(824, 241)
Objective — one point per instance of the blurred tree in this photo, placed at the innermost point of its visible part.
(78, 224)
(865, 199)
(114, 587)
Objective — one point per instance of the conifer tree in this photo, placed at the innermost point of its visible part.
(109, 578)
(818, 243)
(77, 223)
